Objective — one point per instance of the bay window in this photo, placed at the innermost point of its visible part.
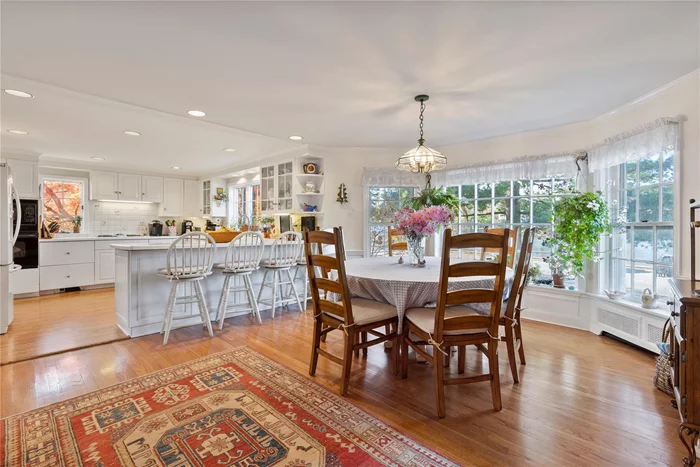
(383, 203)
(244, 205)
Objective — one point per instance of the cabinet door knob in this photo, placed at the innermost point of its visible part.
(669, 302)
(67, 252)
(67, 277)
(675, 313)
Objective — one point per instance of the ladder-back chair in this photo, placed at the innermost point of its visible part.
(351, 316)
(454, 323)
(394, 242)
(512, 243)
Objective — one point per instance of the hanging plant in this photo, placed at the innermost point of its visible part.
(579, 221)
(434, 197)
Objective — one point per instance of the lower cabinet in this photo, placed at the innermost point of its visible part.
(69, 275)
(104, 266)
(24, 281)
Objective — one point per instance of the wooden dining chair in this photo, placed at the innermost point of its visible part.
(512, 242)
(396, 244)
(351, 316)
(510, 314)
(454, 323)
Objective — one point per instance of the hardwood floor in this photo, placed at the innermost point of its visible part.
(583, 400)
(55, 323)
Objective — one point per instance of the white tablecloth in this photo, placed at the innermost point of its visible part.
(406, 286)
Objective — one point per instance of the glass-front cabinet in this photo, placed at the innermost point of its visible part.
(284, 186)
(206, 198)
(267, 188)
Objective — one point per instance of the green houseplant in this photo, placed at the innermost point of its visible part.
(77, 222)
(579, 221)
(430, 196)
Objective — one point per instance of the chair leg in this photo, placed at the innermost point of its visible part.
(519, 337)
(223, 301)
(347, 361)
(510, 347)
(364, 341)
(461, 358)
(203, 310)
(495, 377)
(168, 318)
(323, 337)
(316, 344)
(294, 290)
(404, 352)
(356, 340)
(439, 381)
(262, 285)
(396, 342)
(306, 288)
(251, 298)
(274, 292)
(446, 358)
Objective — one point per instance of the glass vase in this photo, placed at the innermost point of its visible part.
(416, 249)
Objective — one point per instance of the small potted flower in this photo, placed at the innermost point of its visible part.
(220, 197)
(77, 222)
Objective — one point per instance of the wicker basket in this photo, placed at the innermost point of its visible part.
(222, 236)
(662, 375)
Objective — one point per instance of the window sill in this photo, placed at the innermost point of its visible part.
(548, 290)
(661, 312)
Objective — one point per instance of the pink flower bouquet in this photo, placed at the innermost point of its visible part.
(422, 223)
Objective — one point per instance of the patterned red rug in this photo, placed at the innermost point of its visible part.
(235, 408)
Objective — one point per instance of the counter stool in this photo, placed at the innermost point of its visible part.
(243, 256)
(284, 254)
(189, 260)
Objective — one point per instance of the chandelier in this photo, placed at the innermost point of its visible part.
(421, 159)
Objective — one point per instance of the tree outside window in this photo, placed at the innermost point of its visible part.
(383, 203)
(63, 203)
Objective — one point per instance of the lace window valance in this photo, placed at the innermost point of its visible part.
(390, 177)
(522, 168)
(655, 137)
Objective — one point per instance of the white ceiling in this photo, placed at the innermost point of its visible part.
(340, 74)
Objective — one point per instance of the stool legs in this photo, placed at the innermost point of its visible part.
(169, 310)
(203, 310)
(283, 289)
(172, 302)
(251, 298)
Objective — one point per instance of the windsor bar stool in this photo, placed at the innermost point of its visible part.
(283, 256)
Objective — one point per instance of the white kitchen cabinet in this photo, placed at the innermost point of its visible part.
(26, 178)
(193, 206)
(104, 186)
(24, 281)
(285, 187)
(61, 253)
(104, 266)
(152, 189)
(173, 198)
(210, 207)
(69, 275)
(129, 187)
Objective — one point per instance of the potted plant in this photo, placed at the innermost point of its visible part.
(77, 222)
(220, 197)
(579, 221)
(417, 225)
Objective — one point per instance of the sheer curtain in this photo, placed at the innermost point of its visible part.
(522, 168)
(390, 177)
(655, 137)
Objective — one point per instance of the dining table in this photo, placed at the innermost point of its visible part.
(404, 285)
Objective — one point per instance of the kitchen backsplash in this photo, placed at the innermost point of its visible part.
(105, 218)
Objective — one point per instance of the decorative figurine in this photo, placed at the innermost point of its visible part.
(342, 194)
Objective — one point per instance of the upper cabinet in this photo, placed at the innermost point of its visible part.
(104, 186)
(173, 198)
(209, 190)
(193, 206)
(26, 178)
(152, 189)
(113, 186)
(293, 186)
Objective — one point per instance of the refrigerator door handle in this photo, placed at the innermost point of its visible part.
(19, 209)
(15, 267)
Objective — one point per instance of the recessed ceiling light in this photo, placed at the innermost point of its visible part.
(17, 132)
(98, 158)
(196, 113)
(295, 138)
(176, 167)
(17, 93)
(132, 133)
(229, 150)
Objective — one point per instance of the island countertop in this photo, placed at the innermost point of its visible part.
(142, 246)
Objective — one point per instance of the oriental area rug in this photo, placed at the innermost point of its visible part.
(236, 408)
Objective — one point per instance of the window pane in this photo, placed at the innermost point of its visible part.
(643, 246)
(542, 187)
(667, 203)
(453, 190)
(643, 278)
(377, 240)
(521, 210)
(630, 170)
(631, 204)
(623, 242)
(484, 190)
(649, 171)
(392, 193)
(649, 204)
(467, 212)
(667, 174)
(664, 245)
(484, 212)
(501, 211)
(521, 188)
(663, 273)
(502, 189)
(468, 191)
(627, 277)
(541, 210)
(567, 185)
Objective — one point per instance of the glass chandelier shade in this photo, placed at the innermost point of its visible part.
(421, 159)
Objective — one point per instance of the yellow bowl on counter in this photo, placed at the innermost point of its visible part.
(221, 236)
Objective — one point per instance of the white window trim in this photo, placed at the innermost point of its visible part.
(86, 208)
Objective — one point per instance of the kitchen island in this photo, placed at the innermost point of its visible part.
(141, 294)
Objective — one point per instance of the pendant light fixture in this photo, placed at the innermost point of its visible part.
(422, 159)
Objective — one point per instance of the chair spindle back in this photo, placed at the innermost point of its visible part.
(245, 252)
(286, 249)
(191, 255)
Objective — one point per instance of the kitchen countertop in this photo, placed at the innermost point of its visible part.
(92, 238)
(164, 246)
